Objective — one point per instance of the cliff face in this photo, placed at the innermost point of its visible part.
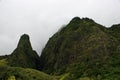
(81, 48)
(23, 55)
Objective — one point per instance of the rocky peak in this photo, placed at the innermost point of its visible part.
(24, 42)
(23, 55)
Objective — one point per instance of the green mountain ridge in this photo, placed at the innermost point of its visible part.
(81, 50)
(22, 63)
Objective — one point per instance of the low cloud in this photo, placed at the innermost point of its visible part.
(42, 18)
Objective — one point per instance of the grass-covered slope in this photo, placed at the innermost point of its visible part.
(17, 73)
(3, 62)
(83, 48)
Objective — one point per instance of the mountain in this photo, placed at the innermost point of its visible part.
(83, 48)
(23, 56)
(21, 64)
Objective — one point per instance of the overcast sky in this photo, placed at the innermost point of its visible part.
(42, 18)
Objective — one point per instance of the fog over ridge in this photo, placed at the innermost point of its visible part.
(41, 19)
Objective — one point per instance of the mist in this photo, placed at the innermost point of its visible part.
(40, 19)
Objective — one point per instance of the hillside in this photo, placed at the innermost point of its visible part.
(83, 48)
(17, 73)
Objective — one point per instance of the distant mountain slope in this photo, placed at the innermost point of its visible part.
(83, 48)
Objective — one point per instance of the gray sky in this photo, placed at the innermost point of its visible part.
(42, 18)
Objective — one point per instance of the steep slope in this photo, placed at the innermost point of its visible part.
(23, 55)
(115, 31)
(82, 48)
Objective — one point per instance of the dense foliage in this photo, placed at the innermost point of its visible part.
(23, 55)
(83, 48)
(17, 73)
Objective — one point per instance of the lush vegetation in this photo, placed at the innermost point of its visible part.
(81, 50)
(23, 55)
(17, 73)
(3, 62)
